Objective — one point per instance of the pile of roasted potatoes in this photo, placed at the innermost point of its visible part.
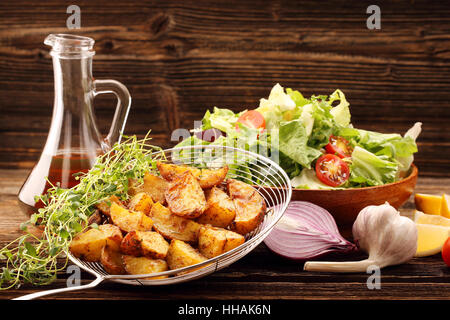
(177, 218)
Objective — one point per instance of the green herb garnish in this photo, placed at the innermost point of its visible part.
(32, 259)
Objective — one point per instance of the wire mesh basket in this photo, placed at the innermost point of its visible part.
(263, 174)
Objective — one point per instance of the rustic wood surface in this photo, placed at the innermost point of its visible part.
(179, 58)
(259, 275)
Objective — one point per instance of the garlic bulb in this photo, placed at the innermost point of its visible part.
(381, 231)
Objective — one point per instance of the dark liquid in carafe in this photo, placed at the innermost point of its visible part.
(50, 171)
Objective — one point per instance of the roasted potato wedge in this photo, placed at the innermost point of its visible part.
(207, 178)
(239, 190)
(171, 226)
(155, 187)
(111, 260)
(128, 220)
(185, 197)
(212, 177)
(105, 206)
(170, 171)
(141, 202)
(88, 245)
(250, 206)
(249, 214)
(220, 210)
(153, 244)
(145, 243)
(215, 241)
(181, 254)
(137, 239)
(113, 235)
(144, 265)
(131, 244)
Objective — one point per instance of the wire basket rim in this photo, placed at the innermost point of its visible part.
(281, 208)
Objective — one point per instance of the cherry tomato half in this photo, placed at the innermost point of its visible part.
(446, 252)
(339, 146)
(252, 119)
(331, 170)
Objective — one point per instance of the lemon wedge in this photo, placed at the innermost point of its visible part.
(430, 239)
(445, 206)
(423, 218)
(428, 203)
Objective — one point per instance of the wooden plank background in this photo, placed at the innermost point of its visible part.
(179, 58)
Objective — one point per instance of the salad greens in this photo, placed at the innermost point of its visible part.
(297, 129)
(222, 119)
(293, 133)
(370, 169)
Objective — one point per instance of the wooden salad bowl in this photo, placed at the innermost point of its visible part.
(345, 205)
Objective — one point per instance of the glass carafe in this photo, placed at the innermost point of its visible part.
(74, 140)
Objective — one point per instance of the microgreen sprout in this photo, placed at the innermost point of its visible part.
(34, 259)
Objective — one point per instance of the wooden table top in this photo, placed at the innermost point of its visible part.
(259, 275)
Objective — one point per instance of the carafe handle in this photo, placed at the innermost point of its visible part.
(122, 108)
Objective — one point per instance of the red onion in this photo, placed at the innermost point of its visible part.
(306, 231)
(210, 135)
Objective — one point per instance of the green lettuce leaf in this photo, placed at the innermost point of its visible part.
(291, 167)
(308, 180)
(341, 112)
(406, 160)
(297, 97)
(392, 146)
(222, 119)
(324, 124)
(293, 142)
(277, 107)
(368, 169)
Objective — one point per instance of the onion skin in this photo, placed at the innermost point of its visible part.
(306, 231)
(315, 257)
